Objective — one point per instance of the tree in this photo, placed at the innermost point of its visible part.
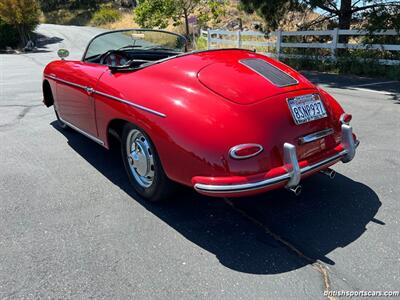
(51, 5)
(157, 13)
(8, 35)
(343, 11)
(384, 18)
(21, 14)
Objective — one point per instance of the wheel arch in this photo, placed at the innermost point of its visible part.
(114, 131)
(116, 125)
(48, 96)
(115, 128)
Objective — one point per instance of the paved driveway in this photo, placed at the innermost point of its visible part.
(70, 227)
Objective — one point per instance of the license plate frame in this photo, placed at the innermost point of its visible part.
(306, 108)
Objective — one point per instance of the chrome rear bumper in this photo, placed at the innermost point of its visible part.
(291, 164)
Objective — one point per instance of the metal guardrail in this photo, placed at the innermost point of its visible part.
(219, 37)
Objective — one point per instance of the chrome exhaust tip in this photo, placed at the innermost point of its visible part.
(295, 190)
(329, 172)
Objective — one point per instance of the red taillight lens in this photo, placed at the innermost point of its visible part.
(345, 118)
(245, 151)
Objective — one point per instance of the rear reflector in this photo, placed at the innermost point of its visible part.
(245, 151)
(269, 72)
(345, 118)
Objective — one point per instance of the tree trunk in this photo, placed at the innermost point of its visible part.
(345, 16)
(22, 35)
(185, 13)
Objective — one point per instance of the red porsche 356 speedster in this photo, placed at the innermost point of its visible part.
(228, 122)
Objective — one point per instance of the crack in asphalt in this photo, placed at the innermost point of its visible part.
(20, 116)
(34, 60)
(20, 105)
(318, 265)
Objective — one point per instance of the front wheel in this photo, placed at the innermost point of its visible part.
(143, 165)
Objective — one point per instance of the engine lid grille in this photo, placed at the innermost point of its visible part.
(269, 72)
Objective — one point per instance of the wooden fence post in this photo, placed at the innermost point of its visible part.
(278, 42)
(208, 39)
(335, 39)
(239, 39)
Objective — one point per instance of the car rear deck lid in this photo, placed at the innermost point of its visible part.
(234, 80)
(269, 72)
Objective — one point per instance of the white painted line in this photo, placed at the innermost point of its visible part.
(376, 83)
(351, 88)
(371, 91)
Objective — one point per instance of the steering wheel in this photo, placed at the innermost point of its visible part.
(114, 58)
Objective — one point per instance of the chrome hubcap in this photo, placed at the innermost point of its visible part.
(140, 158)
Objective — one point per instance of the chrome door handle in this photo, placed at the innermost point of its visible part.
(89, 90)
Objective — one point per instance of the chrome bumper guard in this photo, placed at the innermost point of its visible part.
(291, 164)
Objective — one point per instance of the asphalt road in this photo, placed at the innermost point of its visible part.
(71, 227)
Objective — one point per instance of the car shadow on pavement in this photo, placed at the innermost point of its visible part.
(329, 214)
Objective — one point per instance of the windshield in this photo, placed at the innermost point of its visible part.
(135, 40)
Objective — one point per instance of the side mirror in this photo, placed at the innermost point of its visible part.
(63, 53)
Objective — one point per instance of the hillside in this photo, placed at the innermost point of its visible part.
(232, 19)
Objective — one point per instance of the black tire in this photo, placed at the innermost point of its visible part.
(60, 123)
(160, 188)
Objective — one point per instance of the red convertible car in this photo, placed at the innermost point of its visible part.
(227, 122)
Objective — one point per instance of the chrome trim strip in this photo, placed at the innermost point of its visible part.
(315, 136)
(232, 151)
(91, 91)
(291, 164)
(83, 132)
(130, 104)
(66, 82)
(324, 162)
(215, 189)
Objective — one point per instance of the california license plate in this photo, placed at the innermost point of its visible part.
(306, 108)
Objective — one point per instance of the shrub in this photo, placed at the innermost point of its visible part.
(8, 35)
(201, 43)
(346, 65)
(105, 15)
(21, 14)
(63, 16)
(52, 5)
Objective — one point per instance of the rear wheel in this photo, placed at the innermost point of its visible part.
(143, 165)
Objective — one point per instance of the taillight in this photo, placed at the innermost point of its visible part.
(345, 118)
(244, 151)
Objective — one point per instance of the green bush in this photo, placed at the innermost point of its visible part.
(346, 65)
(52, 5)
(362, 62)
(105, 15)
(80, 17)
(8, 36)
(201, 43)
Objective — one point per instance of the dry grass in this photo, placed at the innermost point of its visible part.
(125, 22)
(228, 21)
(67, 17)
